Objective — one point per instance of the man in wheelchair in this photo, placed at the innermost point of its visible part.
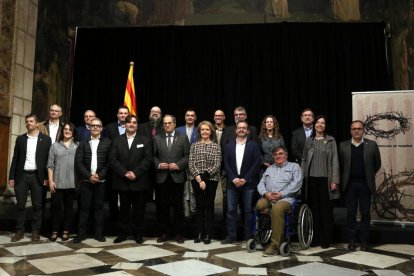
(278, 187)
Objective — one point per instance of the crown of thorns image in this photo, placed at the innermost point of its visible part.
(400, 121)
(391, 195)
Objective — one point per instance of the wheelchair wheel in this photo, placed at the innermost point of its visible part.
(305, 226)
(251, 245)
(284, 249)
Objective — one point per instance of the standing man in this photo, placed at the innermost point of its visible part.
(229, 133)
(91, 162)
(83, 133)
(219, 118)
(131, 158)
(360, 160)
(113, 130)
(242, 160)
(53, 126)
(300, 134)
(190, 130)
(154, 125)
(278, 187)
(28, 174)
(171, 159)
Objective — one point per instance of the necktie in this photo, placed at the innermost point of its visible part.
(189, 132)
(154, 130)
(169, 142)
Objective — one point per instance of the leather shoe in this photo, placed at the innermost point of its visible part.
(227, 241)
(120, 239)
(207, 239)
(17, 236)
(100, 238)
(179, 239)
(78, 239)
(35, 235)
(138, 239)
(162, 238)
(351, 246)
(198, 238)
(364, 246)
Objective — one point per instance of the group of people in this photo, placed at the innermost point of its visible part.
(185, 165)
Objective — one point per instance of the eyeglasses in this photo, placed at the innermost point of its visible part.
(239, 114)
(96, 126)
(279, 154)
(357, 129)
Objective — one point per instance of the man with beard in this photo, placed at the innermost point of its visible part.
(112, 131)
(150, 129)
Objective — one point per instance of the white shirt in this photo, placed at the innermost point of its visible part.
(172, 137)
(130, 139)
(239, 155)
(30, 163)
(189, 132)
(355, 143)
(94, 147)
(53, 130)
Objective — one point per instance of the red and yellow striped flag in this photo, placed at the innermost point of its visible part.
(129, 100)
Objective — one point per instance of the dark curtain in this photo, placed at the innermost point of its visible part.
(270, 69)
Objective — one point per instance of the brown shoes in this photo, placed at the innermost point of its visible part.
(35, 235)
(17, 236)
(271, 250)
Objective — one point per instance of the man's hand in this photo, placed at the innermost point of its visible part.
(130, 175)
(11, 183)
(163, 166)
(173, 167)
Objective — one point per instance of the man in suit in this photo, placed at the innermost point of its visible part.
(360, 160)
(113, 130)
(28, 173)
(300, 134)
(131, 158)
(91, 162)
(190, 130)
(242, 161)
(154, 125)
(229, 133)
(171, 152)
(83, 133)
(53, 126)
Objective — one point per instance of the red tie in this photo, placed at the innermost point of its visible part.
(153, 132)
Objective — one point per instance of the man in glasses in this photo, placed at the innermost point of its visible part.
(360, 160)
(91, 161)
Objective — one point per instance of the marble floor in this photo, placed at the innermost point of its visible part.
(170, 258)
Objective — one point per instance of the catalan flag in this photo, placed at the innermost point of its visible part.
(129, 99)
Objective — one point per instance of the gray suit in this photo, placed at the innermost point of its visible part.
(171, 182)
(372, 161)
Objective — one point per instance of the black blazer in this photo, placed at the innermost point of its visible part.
(372, 162)
(145, 129)
(83, 159)
(111, 131)
(19, 157)
(137, 159)
(297, 143)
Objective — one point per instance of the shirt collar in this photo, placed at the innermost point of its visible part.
(53, 124)
(94, 139)
(308, 128)
(355, 143)
(283, 164)
(172, 134)
(130, 136)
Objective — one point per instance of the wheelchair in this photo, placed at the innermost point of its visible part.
(298, 222)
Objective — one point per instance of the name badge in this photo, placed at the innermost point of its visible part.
(140, 146)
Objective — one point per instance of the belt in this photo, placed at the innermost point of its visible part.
(31, 171)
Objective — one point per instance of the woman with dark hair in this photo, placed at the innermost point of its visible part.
(270, 138)
(204, 166)
(320, 167)
(61, 173)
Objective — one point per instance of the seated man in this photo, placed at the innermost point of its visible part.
(278, 186)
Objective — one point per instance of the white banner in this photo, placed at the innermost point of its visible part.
(388, 118)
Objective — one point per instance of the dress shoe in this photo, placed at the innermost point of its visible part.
(53, 237)
(162, 238)
(228, 241)
(179, 239)
(35, 235)
(351, 246)
(17, 236)
(120, 238)
(65, 236)
(198, 238)
(207, 239)
(364, 246)
(100, 238)
(324, 246)
(78, 239)
(138, 239)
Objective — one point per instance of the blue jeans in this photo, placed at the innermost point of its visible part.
(233, 196)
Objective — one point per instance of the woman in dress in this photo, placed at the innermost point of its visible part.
(61, 174)
(204, 166)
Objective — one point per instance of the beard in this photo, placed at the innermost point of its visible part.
(154, 122)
